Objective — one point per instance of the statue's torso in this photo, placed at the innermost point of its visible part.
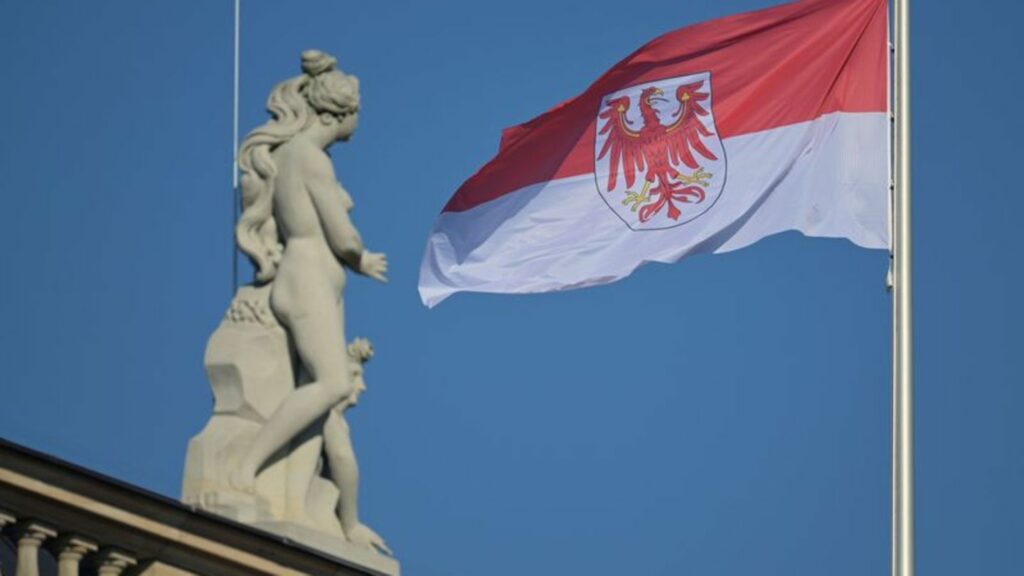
(308, 264)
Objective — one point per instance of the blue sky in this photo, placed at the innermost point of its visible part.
(742, 429)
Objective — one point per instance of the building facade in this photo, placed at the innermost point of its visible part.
(60, 519)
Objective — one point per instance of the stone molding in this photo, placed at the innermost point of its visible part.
(162, 535)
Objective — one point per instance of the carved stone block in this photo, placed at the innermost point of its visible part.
(251, 370)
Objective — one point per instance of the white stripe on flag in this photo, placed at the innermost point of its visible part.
(827, 177)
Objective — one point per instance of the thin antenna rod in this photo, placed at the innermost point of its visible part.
(235, 200)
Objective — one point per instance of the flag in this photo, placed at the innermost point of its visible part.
(704, 140)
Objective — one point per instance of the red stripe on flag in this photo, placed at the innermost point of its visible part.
(770, 68)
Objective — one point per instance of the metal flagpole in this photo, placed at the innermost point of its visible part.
(902, 392)
(235, 200)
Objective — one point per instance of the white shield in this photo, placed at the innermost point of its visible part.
(665, 131)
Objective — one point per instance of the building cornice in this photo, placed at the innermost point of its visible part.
(149, 526)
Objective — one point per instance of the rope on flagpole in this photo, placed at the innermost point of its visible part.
(903, 398)
(235, 200)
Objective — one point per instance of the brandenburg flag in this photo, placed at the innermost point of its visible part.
(706, 139)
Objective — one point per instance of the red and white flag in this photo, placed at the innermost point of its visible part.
(706, 139)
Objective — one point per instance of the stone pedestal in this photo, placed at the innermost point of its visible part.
(336, 547)
(251, 370)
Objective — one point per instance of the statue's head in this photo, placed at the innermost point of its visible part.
(323, 99)
(360, 351)
(331, 94)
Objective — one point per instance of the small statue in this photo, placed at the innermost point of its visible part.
(296, 229)
(342, 458)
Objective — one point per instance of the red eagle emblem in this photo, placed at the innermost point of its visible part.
(666, 146)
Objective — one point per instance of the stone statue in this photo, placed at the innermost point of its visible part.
(341, 457)
(281, 372)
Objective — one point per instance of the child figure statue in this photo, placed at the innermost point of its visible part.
(341, 457)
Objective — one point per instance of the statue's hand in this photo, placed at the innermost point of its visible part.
(364, 536)
(374, 265)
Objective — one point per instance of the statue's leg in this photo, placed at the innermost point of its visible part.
(320, 343)
(303, 458)
(344, 469)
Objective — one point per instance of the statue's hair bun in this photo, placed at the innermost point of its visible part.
(315, 62)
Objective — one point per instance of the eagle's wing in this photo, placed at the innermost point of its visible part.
(687, 130)
(624, 143)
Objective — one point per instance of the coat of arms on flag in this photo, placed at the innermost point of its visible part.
(658, 159)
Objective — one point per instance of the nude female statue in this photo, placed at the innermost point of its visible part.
(296, 230)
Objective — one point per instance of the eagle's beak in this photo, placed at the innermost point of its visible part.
(656, 95)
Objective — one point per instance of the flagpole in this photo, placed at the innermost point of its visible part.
(903, 398)
(235, 200)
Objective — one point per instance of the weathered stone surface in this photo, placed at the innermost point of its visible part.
(276, 452)
(251, 371)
